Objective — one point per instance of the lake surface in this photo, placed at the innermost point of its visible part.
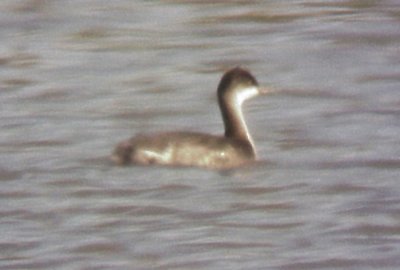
(77, 77)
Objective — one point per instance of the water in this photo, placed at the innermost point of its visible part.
(76, 77)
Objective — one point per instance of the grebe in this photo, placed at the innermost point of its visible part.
(202, 150)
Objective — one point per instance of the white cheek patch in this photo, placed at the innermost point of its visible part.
(246, 93)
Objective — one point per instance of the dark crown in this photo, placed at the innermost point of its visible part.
(235, 77)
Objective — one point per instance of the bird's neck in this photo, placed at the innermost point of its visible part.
(235, 125)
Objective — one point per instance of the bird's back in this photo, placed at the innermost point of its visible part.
(185, 149)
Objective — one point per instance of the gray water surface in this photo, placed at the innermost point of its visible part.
(77, 77)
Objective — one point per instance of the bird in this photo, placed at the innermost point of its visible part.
(194, 149)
